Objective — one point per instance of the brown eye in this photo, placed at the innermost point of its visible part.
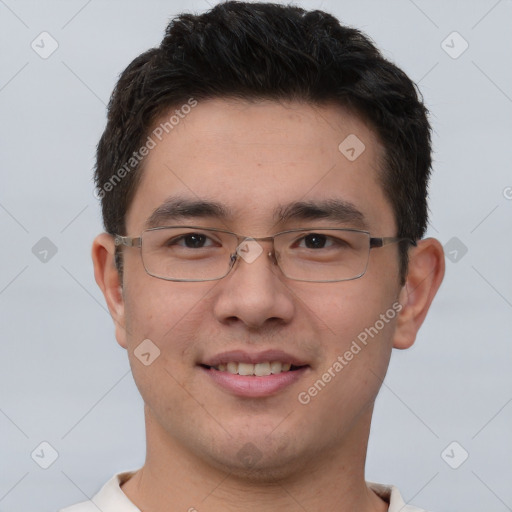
(191, 241)
(194, 240)
(315, 241)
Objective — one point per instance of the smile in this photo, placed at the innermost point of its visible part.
(258, 370)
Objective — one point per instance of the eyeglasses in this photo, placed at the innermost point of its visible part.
(192, 253)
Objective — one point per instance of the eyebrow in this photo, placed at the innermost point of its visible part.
(176, 208)
(179, 208)
(334, 210)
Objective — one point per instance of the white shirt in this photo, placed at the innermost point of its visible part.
(111, 498)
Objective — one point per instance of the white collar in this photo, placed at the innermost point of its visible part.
(111, 497)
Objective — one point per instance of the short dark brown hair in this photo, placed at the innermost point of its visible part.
(268, 51)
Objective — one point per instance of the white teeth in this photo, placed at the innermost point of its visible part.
(262, 369)
(258, 369)
(245, 369)
(233, 367)
(276, 367)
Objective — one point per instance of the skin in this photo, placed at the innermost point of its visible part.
(253, 157)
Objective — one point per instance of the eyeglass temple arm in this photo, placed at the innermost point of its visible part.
(128, 241)
(380, 242)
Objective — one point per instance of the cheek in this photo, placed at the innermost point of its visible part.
(360, 338)
(169, 315)
(156, 308)
(162, 321)
(341, 311)
(354, 322)
(345, 388)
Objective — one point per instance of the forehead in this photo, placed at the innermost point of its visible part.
(256, 158)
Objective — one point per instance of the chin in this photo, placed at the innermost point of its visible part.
(263, 458)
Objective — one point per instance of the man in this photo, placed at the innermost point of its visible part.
(263, 178)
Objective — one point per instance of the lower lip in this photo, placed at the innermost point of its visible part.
(252, 386)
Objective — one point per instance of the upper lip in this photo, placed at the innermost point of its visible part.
(242, 356)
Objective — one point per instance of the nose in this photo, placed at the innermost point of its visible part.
(254, 293)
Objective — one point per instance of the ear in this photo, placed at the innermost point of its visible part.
(425, 274)
(107, 277)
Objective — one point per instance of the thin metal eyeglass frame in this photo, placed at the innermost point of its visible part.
(374, 243)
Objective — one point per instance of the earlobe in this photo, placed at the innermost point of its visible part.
(107, 278)
(425, 274)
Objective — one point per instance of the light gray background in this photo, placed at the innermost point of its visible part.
(64, 379)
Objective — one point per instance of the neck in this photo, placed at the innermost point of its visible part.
(172, 479)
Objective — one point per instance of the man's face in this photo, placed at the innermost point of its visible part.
(255, 159)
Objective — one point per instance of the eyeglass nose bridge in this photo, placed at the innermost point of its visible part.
(249, 250)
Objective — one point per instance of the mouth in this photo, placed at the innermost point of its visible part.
(262, 369)
(254, 375)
